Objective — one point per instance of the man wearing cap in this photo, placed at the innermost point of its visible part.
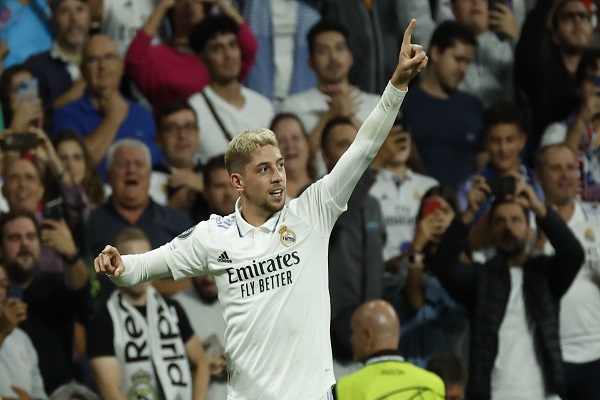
(57, 69)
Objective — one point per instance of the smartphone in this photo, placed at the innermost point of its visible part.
(53, 209)
(502, 186)
(507, 3)
(20, 141)
(430, 206)
(15, 291)
(28, 89)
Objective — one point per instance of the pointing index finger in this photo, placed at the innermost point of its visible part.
(408, 32)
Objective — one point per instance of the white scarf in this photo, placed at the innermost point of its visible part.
(144, 346)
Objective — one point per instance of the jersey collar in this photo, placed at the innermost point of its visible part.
(244, 227)
(385, 355)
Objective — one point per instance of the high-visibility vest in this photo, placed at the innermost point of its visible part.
(390, 378)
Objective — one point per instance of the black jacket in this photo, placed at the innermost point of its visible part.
(484, 291)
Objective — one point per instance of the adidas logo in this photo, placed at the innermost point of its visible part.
(224, 258)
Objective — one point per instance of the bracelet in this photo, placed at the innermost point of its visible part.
(73, 258)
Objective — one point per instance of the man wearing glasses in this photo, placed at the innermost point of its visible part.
(103, 115)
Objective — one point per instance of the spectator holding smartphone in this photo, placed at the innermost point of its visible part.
(490, 75)
(21, 106)
(431, 320)
(399, 186)
(581, 129)
(31, 182)
(504, 138)
(512, 299)
(20, 376)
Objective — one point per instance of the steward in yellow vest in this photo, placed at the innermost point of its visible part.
(387, 376)
(375, 337)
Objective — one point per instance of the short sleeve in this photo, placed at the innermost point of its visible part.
(185, 328)
(100, 335)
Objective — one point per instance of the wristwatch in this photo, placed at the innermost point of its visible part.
(73, 258)
(416, 258)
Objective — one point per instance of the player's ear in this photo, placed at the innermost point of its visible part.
(237, 181)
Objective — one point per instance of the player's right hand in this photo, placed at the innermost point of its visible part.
(109, 262)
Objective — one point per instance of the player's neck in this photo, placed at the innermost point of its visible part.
(252, 214)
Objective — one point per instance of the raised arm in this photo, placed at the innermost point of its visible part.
(568, 253)
(130, 270)
(371, 135)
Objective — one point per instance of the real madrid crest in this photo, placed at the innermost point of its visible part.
(287, 236)
(590, 235)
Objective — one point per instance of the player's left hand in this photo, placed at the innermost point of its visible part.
(411, 60)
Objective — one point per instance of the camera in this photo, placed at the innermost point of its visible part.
(20, 141)
(502, 186)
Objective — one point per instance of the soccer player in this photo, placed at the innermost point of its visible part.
(269, 259)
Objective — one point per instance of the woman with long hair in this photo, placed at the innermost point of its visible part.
(431, 320)
(295, 149)
(20, 113)
(77, 162)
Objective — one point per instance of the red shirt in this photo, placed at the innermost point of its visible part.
(164, 73)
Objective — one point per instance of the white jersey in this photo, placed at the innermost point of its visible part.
(400, 202)
(272, 279)
(121, 19)
(580, 306)
(257, 112)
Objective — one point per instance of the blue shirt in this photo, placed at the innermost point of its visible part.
(83, 117)
(27, 28)
(446, 132)
(434, 327)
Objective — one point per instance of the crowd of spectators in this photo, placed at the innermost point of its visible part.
(114, 119)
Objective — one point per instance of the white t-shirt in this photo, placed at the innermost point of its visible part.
(517, 373)
(400, 202)
(121, 19)
(284, 15)
(159, 187)
(207, 322)
(580, 306)
(19, 366)
(311, 104)
(257, 112)
(272, 279)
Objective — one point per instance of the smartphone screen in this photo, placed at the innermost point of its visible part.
(28, 89)
(430, 206)
(53, 209)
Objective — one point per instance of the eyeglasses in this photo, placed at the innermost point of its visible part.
(573, 16)
(96, 59)
(172, 129)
